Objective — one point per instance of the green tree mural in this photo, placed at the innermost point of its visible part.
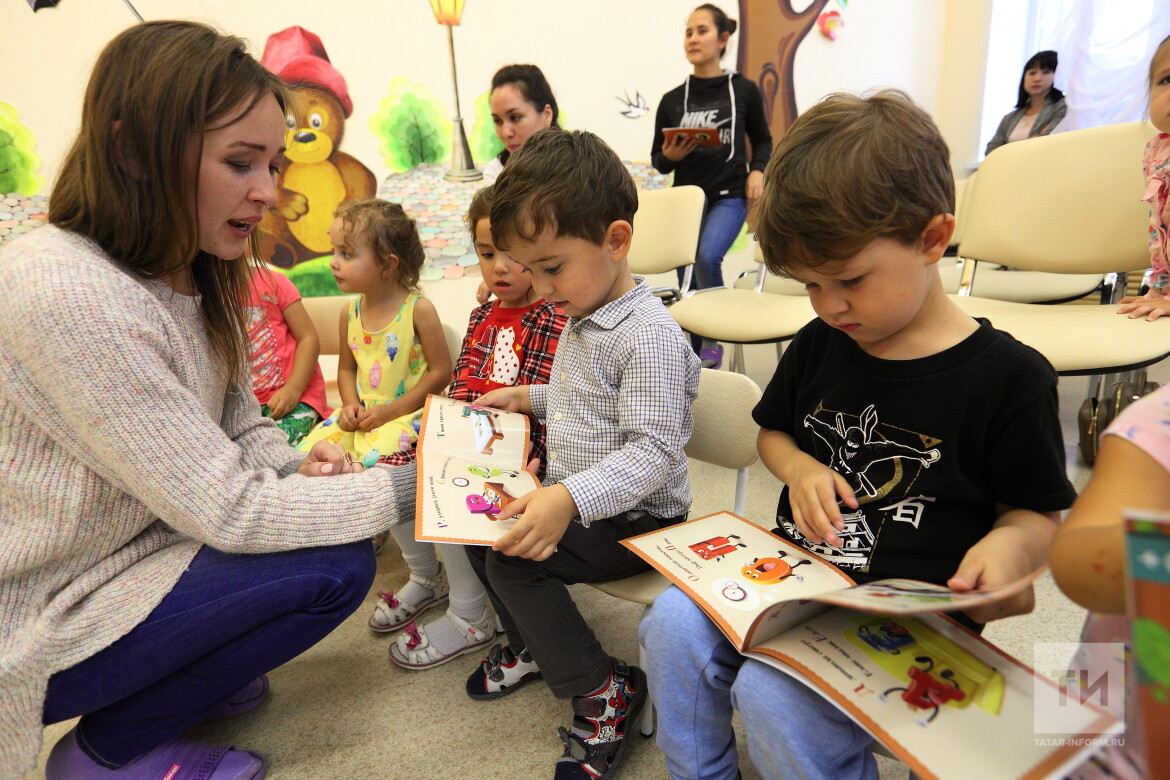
(19, 164)
(484, 142)
(411, 126)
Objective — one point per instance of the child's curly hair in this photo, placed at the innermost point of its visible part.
(388, 231)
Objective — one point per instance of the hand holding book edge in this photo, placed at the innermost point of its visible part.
(542, 517)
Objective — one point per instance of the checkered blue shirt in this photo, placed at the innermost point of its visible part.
(617, 409)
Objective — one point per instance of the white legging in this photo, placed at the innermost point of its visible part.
(467, 592)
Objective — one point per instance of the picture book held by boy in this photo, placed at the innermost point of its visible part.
(471, 463)
(923, 684)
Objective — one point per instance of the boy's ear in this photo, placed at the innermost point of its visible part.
(617, 239)
(937, 237)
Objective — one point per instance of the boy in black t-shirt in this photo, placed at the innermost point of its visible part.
(913, 440)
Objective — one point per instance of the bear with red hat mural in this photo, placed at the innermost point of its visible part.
(317, 177)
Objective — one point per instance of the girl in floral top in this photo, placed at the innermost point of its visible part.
(1154, 303)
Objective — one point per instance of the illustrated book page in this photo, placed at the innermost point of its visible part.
(755, 584)
(936, 694)
(471, 463)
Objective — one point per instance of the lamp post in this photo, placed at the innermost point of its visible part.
(449, 13)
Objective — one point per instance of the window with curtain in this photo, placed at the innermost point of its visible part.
(1104, 48)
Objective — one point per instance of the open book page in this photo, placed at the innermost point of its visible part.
(470, 467)
(474, 432)
(755, 584)
(925, 686)
(913, 597)
(749, 581)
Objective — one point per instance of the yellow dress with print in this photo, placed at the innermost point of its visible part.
(389, 363)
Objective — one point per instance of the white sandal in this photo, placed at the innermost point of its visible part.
(391, 613)
(413, 649)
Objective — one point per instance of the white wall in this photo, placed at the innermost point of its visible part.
(590, 51)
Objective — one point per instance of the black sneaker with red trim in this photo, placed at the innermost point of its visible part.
(594, 746)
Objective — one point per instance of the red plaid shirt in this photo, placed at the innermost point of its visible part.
(540, 329)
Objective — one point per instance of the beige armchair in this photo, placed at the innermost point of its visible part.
(724, 435)
(1069, 203)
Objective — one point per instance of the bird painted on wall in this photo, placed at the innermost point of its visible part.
(633, 108)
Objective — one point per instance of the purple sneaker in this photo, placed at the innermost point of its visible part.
(711, 357)
(247, 698)
(179, 759)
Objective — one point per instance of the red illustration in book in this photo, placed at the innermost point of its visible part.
(1148, 573)
(715, 548)
(483, 422)
(769, 571)
(943, 674)
(494, 499)
(925, 691)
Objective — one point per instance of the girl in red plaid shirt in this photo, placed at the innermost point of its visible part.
(510, 341)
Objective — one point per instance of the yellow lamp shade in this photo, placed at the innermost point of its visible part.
(447, 11)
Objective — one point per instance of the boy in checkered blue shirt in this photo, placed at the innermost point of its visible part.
(617, 412)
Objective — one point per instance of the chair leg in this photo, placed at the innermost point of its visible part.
(646, 719)
(741, 481)
(737, 361)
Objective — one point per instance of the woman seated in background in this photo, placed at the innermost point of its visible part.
(1040, 106)
(522, 102)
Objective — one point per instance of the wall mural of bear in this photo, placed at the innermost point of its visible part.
(317, 176)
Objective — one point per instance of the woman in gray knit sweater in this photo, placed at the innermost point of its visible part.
(161, 546)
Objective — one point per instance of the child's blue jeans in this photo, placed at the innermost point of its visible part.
(228, 620)
(696, 677)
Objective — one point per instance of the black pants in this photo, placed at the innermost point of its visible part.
(536, 610)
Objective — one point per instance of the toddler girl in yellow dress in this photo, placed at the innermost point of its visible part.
(397, 354)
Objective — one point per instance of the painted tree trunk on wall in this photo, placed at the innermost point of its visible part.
(771, 32)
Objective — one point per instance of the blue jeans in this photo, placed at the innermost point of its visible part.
(696, 677)
(228, 620)
(721, 226)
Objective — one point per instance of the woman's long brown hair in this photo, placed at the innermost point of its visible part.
(130, 180)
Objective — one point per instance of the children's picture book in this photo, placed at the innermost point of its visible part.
(471, 463)
(706, 136)
(1147, 542)
(933, 692)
